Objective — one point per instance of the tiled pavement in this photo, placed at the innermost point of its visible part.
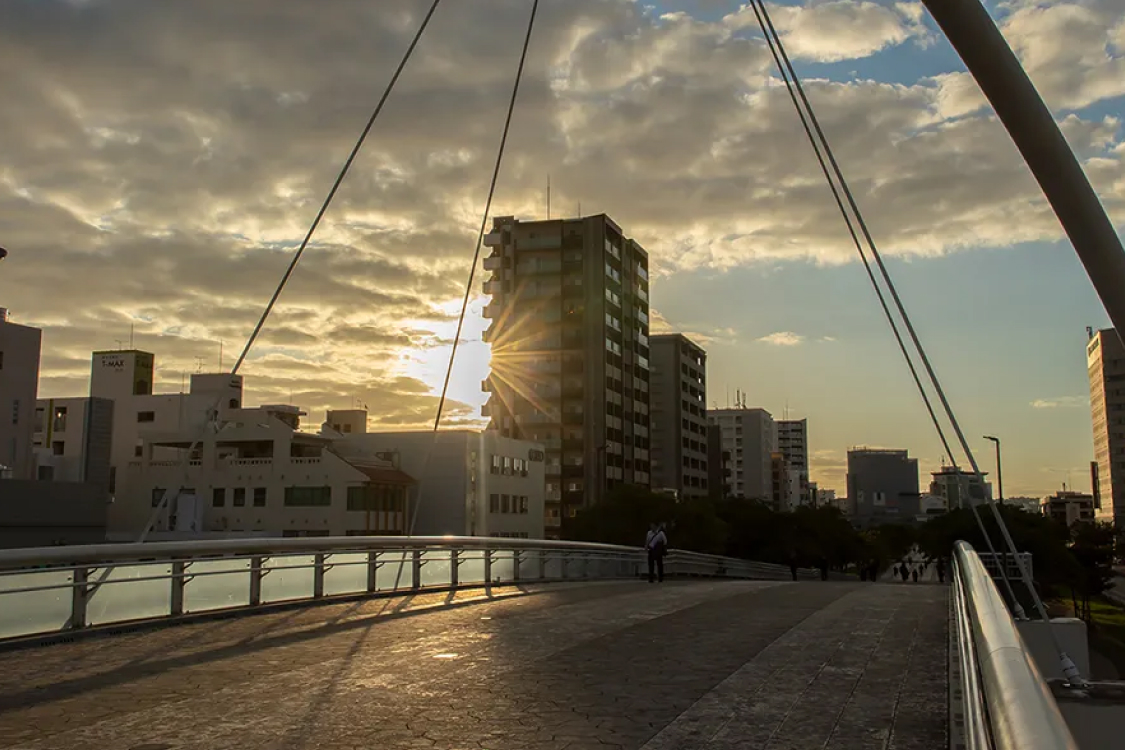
(778, 666)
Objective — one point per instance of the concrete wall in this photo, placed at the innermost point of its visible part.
(40, 514)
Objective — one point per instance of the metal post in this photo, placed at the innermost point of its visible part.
(318, 574)
(1004, 82)
(372, 572)
(256, 573)
(179, 580)
(454, 564)
(79, 598)
(487, 567)
(416, 570)
(542, 564)
(516, 557)
(563, 560)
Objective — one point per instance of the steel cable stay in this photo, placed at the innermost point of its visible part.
(770, 41)
(212, 420)
(773, 38)
(476, 260)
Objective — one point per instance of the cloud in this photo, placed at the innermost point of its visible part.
(162, 161)
(782, 338)
(838, 29)
(1062, 402)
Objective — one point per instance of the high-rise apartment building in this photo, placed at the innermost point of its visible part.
(679, 416)
(1105, 363)
(750, 435)
(960, 488)
(793, 444)
(570, 353)
(882, 486)
(19, 384)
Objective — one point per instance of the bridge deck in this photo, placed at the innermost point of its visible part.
(785, 666)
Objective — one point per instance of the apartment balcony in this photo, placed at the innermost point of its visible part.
(490, 310)
(486, 410)
(486, 385)
(493, 285)
(497, 262)
(487, 335)
(573, 444)
(493, 239)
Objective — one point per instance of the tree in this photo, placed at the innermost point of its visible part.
(1092, 544)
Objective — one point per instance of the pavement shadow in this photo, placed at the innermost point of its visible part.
(145, 666)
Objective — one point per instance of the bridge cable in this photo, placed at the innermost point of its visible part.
(170, 495)
(476, 254)
(777, 50)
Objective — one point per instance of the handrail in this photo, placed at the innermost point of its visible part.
(122, 552)
(48, 591)
(1023, 714)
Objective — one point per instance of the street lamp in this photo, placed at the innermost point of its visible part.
(999, 472)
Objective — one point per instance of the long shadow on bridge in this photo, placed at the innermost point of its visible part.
(717, 664)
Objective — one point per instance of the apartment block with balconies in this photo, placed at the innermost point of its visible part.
(679, 416)
(570, 353)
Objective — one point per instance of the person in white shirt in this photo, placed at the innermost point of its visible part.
(656, 544)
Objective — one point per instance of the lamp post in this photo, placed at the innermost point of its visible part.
(999, 471)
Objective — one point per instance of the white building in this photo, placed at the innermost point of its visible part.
(470, 483)
(825, 498)
(254, 472)
(1068, 507)
(1026, 504)
(750, 436)
(19, 384)
(952, 485)
(73, 440)
(793, 443)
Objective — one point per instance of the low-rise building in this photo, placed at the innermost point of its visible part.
(1068, 507)
(256, 472)
(73, 440)
(470, 482)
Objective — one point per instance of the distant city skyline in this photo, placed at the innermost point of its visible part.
(169, 200)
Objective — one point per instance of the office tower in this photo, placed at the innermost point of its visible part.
(882, 486)
(570, 353)
(19, 383)
(679, 416)
(1105, 363)
(750, 435)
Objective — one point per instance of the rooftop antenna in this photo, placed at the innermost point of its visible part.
(199, 364)
(548, 197)
(579, 209)
(220, 355)
(131, 326)
(120, 344)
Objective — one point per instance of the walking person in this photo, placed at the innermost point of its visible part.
(941, 570)
(656, 544)
(793, 565)
(914, 575)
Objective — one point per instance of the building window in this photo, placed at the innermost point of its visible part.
(15, 411)
(60, 419)
(218, 497)
(494, 503)
(496, 462)
(259, 497)
(308, 496)
(146, 416)
(58, 447)
(157, 495)
(239, 497)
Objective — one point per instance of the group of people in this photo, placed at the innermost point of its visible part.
(656, 545)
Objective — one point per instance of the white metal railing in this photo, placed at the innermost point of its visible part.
(1005, 704)
(52, 590)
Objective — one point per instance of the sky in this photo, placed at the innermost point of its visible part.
(159, 163)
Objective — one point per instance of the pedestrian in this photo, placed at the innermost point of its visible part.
(793, 565)
(941, 570)
(656, 544)
(902, 571)
(823, 568)
(914, 575)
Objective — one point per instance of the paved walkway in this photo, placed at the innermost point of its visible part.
(778, 666)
